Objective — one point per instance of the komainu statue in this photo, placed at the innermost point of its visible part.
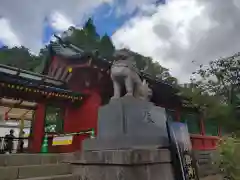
(124, 73)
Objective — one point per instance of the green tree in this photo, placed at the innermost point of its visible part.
(211, 105)
(19, 57)
(90, 30)
(230, 158)
(106, 47)
(214, 88)
(219, 76)
(88, 39)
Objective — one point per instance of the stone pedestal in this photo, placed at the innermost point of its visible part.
(131, 144)
(129, 123)
(151, 164)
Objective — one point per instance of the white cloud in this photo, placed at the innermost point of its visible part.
(173, 34)
(129, 6)
(182, 31)
(27, 17)
(60, 22)
(7, 36)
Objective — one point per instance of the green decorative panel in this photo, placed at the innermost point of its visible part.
(211, 129)
(54, 119)
(171, 115)
(193, 122)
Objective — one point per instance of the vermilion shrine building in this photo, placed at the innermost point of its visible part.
(75, 84)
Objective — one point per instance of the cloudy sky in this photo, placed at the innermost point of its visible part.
(172, 32)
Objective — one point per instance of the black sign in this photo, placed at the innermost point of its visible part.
(184, 163)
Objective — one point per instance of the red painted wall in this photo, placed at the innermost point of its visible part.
(200, 142)
(75, 120)
(38, 125)
(79, 119)
(85, 116)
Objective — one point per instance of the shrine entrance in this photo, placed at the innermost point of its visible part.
(18, 116)
(22, 95)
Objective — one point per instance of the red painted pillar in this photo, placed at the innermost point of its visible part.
(38, 129)
(83, 118)
(219, 131)
(202, 126)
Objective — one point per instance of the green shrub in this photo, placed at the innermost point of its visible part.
(230, 158)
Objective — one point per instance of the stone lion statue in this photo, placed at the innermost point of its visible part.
(124, 73)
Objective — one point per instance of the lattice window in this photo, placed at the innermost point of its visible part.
(54, 119)
(193, 122)
(211, 128)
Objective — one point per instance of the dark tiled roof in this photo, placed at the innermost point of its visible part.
(68, 52)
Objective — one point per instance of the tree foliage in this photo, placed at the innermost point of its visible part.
(106, 47)
(219, 76)
(211, 105)
(215, 87)
(154, 69)
(229, 156)
(88, 39)
(85, 38)
(19, 57)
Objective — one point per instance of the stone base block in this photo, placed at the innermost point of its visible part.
(129, 123)
(141, 164)
(125, 142)
(144, 172)
(132, 117)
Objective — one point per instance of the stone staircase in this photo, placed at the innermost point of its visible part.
(35, 167)
(208, 162)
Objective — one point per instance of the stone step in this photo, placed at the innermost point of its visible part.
(21, 172)
(30, 159)
(134, 156)
(57, 177)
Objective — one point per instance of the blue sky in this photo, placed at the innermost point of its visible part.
(105, 19)
(47, 32)
(108, 22)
